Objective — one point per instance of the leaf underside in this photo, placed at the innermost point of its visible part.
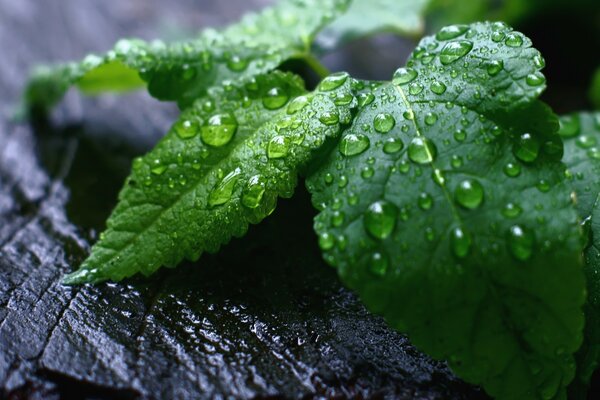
(221, 166)
(455, 222)
(581, 135)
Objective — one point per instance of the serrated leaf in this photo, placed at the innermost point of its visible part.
(366, 17)
(455, 221)
(581, 135)
(183, 71)
(221, 166)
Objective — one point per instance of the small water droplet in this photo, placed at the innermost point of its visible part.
(380, 219)
(425, 201)
(186, 128)
(326, 241)
(543, 185)
(469, 193)
(526, 147)
(460, 135)
(219, 130)
(222, 193)
(378, 264)
(237, 63)
(454, 51)
(451, 32)
(415, 88)
(275, 98)
(513, 39)
(431, 118)
(364, 99)
(494, 67)
(158, 168)
(353, 144)
(520, 242)
(402, 76)
(456, 161)
(535, 79)
(438, 87)
(278, 147)
(512, 169)
(569, 126)
(384, 122)
(329, 118)
(333, 81)
(253, 192)
(392, 145)
(586, 141)
(421, 150)
(297, 104)
(511, 210)
(460, 242)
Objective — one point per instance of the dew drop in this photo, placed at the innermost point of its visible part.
(383, 122)
(535, 79)
(380, 219)
(512, 169)
(158, 168)
(378, 264)
(469, 193)
(219, 130)
(333, 81)
(364, 99)
(421, 150)
(275, 98)
(415, 88)
(511, 210)
(253, 192)
(392, 145)
(520, 242)
(460, 242)
(297, 104)
(402, 76)
(237, 63)
(569, 126)
(513, 40)
(353, 144)
(451, 32)
(431, 118)
(526, 148)
(494, 67)
(186, 129)
(586, 141)
(329, 118)
(326, 241)
(454, 51)
(221, 194)
(460, 135)
(278, 147)
(456, 161)
(438, 87)
(425, 201)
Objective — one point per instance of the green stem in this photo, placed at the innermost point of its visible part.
(315, 64)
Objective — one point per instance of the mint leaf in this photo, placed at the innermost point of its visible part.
(183, 71)
(366, 17)
(221, 166)
(581, 135)
(447, 209)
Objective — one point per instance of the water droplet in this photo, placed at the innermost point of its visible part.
(454, 51)
(333, 81)
(498, 36)
(451, 32)
(158, 168)
(494, 67)
(337, 218)
(421, 150)
(221, 194)
(539, 61)
(526, 148)
(425, 201)
(569, 126)
(535, 79)
(378, 264)
(383, 122)
(364, 99)
(460, 135)
(297, 104)
(402, 76)
(326, 241)
(469, 193)
(392, 145)
(353, 144)
(513, 39)
(343, 98)
(431, 118)
(186, 129)
(543, 185)
(329, 118)
(219, 130)
(438, 87)
(511, 210)
(460, 242)
(520, 242)
(237, 63)
(512, 169)
(380, 219)
(367, 172)
(586, 141)
(253, 192)
(278, 147)
(415, 88)
(275, 98)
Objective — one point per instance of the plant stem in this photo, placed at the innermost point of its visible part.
(315, 64)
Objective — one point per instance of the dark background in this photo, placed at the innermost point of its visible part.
(264, 318)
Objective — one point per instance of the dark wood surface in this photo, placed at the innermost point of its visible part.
(265, 318)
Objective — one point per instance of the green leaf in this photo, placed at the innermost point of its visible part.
(447, 209)
(366, 17)
(595, 89)
(221, 166)
(185, 70)
(581, 135)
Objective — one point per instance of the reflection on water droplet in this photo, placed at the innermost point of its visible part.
(278, 147)
(520, 242)
(380, 219)
(383, 122)
(378, 264)
(353, 144)
(333, 81)
(460, 242)
(526, 148)
(451, 32)
(469, 193)
(219, 130)
(454, 51)
(402, 76)
(275, 98)
(222, 193)
(421, 150)
(253, 192)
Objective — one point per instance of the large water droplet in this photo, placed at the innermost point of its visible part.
(402, 76)
(275, 98)
(535, 79)
(494, 67)
(297, 104)
(451, 32)
(469, 193)
(392, 145)
(219, 130)
(526, 148)
(421, 150)
(333, 81)
(353, 144)
(513, 39)
(383, 122)
(329, 117)
(454, 51)
(364, 99)
(380, 219)
(186, 128)
(437, 87)
(278, 147)
(221, 194)
(460, 242)
(520, 242)
(253, 192)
